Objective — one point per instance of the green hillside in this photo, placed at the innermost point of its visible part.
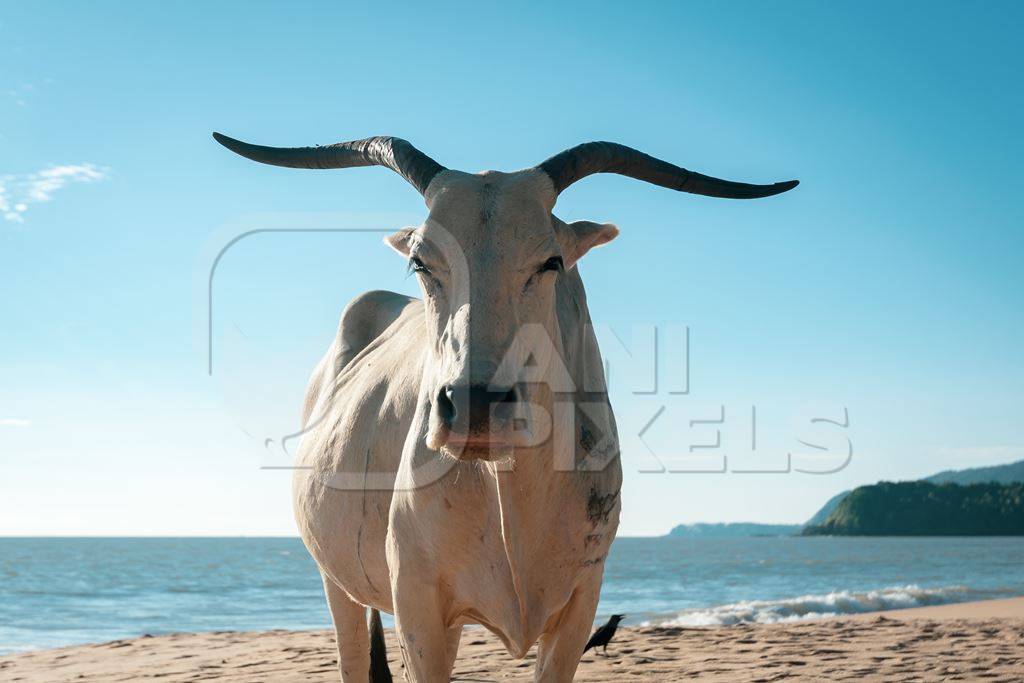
(920, 508)
(1000, 474)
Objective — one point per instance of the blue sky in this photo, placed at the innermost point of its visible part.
(888, 284)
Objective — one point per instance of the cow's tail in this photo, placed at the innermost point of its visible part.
(379, 671)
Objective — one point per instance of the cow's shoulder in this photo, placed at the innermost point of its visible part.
(365, 318)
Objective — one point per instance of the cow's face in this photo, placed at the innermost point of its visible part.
(488, 259)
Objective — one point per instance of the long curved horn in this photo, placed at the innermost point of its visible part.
(394, 153)
(573, 164)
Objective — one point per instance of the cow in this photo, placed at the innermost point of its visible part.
(460, 461)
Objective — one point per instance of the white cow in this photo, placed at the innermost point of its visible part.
(460, 461)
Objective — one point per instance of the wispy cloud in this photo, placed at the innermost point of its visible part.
(14, 422)
(19, 192)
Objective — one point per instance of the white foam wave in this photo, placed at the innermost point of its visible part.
(819, 606)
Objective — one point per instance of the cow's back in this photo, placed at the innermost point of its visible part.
(356, 416)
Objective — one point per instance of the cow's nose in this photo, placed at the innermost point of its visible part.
(470, 408)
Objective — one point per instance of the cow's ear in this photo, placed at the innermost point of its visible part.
(400, 241)
(579, 237)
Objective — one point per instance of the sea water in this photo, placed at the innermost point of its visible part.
(64, 591)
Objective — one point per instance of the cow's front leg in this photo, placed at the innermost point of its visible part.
(454, 636)
(422, 633)
(350, 632)
(561, 645)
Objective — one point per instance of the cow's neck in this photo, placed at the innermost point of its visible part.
(547, 494)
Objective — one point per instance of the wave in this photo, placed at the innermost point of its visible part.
(821, 606)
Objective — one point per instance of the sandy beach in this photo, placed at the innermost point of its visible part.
(968, 641)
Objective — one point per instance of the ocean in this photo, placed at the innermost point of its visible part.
(65, 591)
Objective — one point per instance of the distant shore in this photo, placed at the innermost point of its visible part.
(962, 640)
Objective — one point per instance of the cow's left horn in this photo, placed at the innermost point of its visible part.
(567, 167)
(394, 153)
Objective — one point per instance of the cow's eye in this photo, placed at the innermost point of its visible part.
(416, 266)
(554, 263)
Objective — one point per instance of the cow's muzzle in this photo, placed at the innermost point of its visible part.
(476, 420)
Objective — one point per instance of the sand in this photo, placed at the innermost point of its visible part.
(968, 642)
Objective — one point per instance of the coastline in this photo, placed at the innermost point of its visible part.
(939, 642)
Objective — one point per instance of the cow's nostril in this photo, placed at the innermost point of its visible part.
(445, 406)
(472, 408)
(510, 396)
